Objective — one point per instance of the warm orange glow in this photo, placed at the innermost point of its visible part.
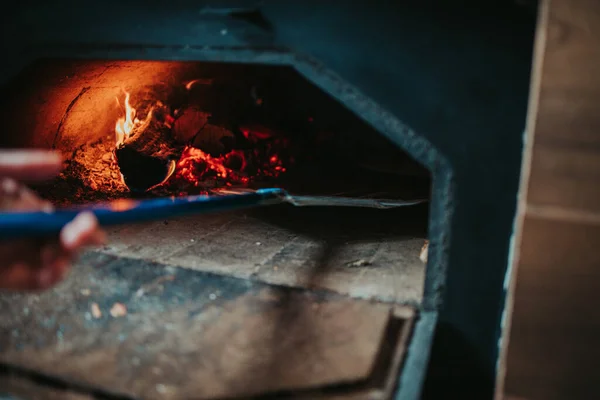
(129, 124)
(122, 204)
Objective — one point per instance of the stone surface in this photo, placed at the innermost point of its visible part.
(194, 334)
(360, 252)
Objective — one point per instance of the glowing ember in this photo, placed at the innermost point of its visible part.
(195, 166)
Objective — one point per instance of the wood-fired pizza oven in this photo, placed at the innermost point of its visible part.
(150, 99)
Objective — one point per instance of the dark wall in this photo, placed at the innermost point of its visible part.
(459, 75)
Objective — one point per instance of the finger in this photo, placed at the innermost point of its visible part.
(19, 277)
(17, 197)
(30, 165)
(97, 238)
(50, 268)
(53, 273)
(16, 252)
(54, 264)
(23, 277)
(81, 231)
(57, 258)
(33, 266)
(22, 262)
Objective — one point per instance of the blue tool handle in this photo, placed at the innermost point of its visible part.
(39, 224)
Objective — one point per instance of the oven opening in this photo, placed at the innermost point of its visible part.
(132, 129)
(248, 293)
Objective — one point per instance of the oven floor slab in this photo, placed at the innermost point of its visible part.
(122, 326)
(363, 253)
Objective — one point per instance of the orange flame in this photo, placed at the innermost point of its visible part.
(128, 124)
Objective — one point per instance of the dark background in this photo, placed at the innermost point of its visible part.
(458, 74)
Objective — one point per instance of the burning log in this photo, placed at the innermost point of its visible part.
(214, 140)
(153, 138)
(146, 148)
(140, 171)
(188, 123)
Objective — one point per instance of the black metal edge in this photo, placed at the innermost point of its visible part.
(414, 370)
(441, 210)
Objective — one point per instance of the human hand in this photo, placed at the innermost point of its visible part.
(38, 263)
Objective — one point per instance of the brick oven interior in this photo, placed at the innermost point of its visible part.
(217, 305)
